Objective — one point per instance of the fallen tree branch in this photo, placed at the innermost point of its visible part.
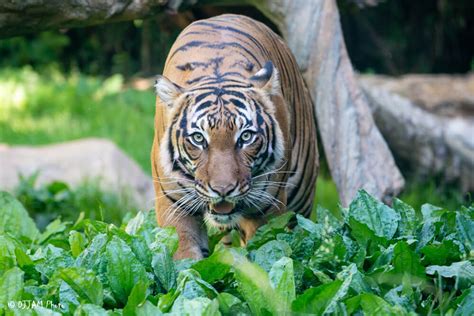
(18, 17)
(357, 154)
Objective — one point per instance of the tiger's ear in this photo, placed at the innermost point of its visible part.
(267, 79)
(167, 91)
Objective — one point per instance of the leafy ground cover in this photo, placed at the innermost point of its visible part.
(377, 260)
(57, 199)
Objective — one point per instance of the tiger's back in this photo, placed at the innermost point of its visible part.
(225, 49)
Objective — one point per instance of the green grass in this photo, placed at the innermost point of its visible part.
(40, 109)
(52, 107)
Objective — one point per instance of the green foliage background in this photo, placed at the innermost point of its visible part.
(375, 259)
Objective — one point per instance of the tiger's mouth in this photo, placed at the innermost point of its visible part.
(223, 207)
(223, 214)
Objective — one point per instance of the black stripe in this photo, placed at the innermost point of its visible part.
(262, 49)
(203, 106)
(202, 96)
(187, 46)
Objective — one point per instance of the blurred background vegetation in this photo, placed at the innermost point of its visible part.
(73, 83)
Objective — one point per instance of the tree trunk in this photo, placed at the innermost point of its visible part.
(428, 121)
(356, 152)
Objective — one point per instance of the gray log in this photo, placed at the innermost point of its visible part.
(19, 17)
(74, 162)
(428, 121)
(356, 152)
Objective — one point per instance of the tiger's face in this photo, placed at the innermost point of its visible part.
(222, 139)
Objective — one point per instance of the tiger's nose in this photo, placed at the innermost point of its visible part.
(222, 189)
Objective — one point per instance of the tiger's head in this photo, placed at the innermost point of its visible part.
(222, 139)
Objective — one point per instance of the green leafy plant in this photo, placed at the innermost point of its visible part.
(47, 202)
(376, 260)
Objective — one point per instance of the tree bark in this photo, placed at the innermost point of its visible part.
(428, 122)
(357, 154)
(18, 17)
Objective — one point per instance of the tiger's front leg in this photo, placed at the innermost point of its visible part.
(193, 240)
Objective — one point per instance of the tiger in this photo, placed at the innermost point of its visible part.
(235, 133)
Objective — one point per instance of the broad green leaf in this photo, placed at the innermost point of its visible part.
(163, 267)
(199, 306)
(135, 223)
(254, 285)
(166, 301)
(90, 310)
(77, 242)
(184, 264)
(310, 226)
(269, 231)
(216, 266)
(14, 219)
(55, 227)
(332, 252)
(442, 253)
(407, 262)
(329, 222)
(166, 236)
(383, 259)
(408, 220)
(26, 264)
(282, 279)
(93, 257)
(7, 253)
(462, 271)
(11, 286)
(85, 283)
(372, 305)
(148, 309)
(355, 278)
(466, 307)
(317, 299)
(42, 311)
(148, 227)
(50, 259)
(89, 257)
(227, 303)
(141, 250)
(190, 285)
(269, 253)
(349, 273)
(431, 215)
(68, 298)
(93, 228)
(137, 243)
(465, 229)
(399, 296)
(123, 269)
(380, 219)
(136, 298)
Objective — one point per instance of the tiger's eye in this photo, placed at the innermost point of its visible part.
(198, 138)
(246, 136)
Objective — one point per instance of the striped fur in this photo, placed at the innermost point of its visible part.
(235, 134)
